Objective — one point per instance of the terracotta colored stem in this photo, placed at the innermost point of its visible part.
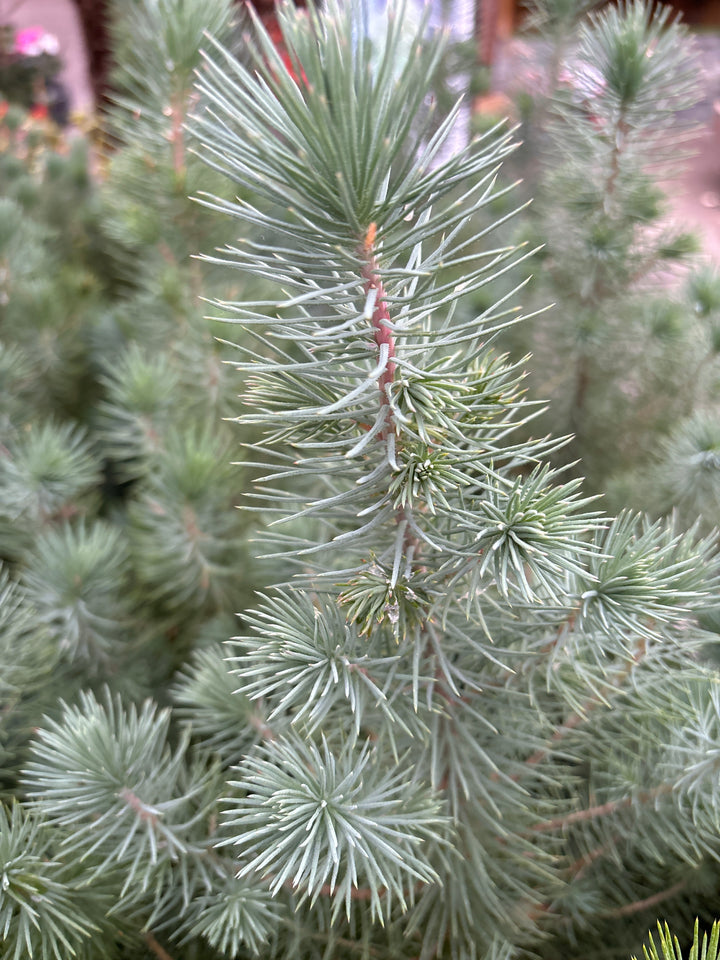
(579, 866)
(136, 804)
(160, 952)
(637, 905)
(257, 723)
(357, 893)
(380, 319)
(177, 138)
(618, 148)
(577, 719)
(601, 810)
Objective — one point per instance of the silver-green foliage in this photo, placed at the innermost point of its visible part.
(475, 723)
(445, 563)
(117, 511)
(39, 916)
(119, 533)
(614, 121)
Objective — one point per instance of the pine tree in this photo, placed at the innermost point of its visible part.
(478, 720)
(631, 337)
(121, 544)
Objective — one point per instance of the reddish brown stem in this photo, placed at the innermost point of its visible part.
(590, 813)
(257, 723)
(380, 319)
(570, 724)
(579, 866)
(638, 905)
(362, 893)
(356, 893)
(575, 720)
(136, 804)
(177, 137)
(159, 951)
(618, 147)
(601, 810)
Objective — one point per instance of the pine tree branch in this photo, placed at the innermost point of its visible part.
(619, 137)
(602, 809)
(577, 719)
(257, 723)
(177, 140)
(138, 807)
(159, 951)
(380, 317)
(384, 339)
(362, 894)
(579, 866)
(593, 294)
(570, 724)
(637, 906)
(589, 813)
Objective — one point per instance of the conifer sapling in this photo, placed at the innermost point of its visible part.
(475, 722)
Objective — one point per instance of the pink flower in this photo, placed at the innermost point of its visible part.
(34, 41)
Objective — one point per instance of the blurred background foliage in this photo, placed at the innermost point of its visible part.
(121, 545)
(624, 344)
